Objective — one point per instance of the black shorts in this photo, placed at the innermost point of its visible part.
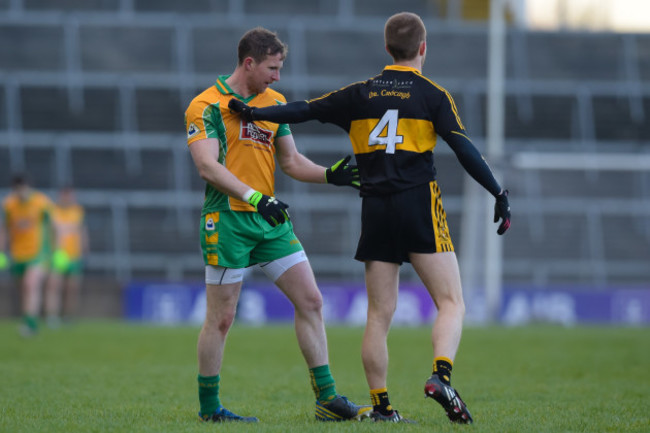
(410, 221)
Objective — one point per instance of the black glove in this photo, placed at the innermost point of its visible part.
(502, 211)
(342, 174)
(243, 109)
(271, 209)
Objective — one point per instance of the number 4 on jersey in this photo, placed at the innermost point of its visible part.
(388, 122)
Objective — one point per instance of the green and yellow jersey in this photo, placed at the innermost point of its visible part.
(69, 223)
(246, 149)
(27, 223)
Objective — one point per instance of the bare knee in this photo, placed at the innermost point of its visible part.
(385, 311)
(310, 303)
(381, 314)
(452, 305)
(219, 321)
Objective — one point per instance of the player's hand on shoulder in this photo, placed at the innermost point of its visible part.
(502, 212)
(343, 174)
(272, 210)
(237, 106)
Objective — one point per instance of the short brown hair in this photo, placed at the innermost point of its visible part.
(403, 34)
(19, 179)
(259, 43)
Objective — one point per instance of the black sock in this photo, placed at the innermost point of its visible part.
(442, 368)
(380, 402)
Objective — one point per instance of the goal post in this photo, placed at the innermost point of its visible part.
(492, 264)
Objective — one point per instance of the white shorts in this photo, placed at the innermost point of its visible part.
(219, 275)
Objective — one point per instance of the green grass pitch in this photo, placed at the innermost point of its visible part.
(118, 377)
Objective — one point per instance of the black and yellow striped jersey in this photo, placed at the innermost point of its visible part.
(392, 119)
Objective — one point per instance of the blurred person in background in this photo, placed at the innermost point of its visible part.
(26, 230)
(71, 244)
(242, 224)
(392, 120)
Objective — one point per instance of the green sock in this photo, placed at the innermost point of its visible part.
(209, 394)
(322, 383)
(30, 321)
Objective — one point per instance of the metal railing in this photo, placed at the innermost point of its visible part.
(299, 83)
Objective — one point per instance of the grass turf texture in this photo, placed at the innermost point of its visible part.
(117, 377)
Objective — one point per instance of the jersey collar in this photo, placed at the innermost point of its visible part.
(30, 195)
(225, 89)
(401, 68)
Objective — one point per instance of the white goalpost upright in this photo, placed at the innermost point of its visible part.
(492, 263)
(495, 149)
(493, 278)
(481, 257)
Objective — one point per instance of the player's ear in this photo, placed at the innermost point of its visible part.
(248, 63)
(423, 48)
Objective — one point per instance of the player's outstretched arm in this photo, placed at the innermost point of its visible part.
(450, 128)
(293, 112)
(299, 167)
(475, 165)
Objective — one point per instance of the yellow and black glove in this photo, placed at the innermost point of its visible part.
(502, 211)
(343, 174)
(272, 210)
(4, 261)
(60, 261)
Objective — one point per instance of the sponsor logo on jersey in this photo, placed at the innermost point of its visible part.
(250, 131)
(393, 84)
(192, 130)
(394, 93)
(209, 224)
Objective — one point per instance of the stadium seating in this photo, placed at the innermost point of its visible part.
(123, 169)
(561, 56)
(96, 91)
(33, 47)
(71, 5)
